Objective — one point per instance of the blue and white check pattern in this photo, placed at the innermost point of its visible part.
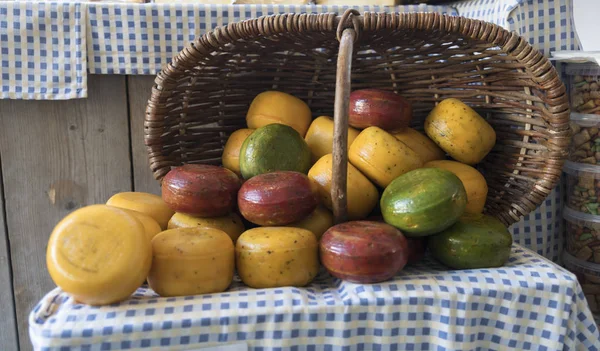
(530, 304)
(42, 50)
(134, 39)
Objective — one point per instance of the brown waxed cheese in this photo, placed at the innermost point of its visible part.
(269, 257)
(191, 261)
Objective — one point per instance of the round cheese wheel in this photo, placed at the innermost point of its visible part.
(231, 224)
(231, 151)
(474, 182)
(191, 261)
(151, 226)
(317, 222)
(319, 137)
(268, 257)
(278, 107)
(150, 204)
(99, 254)
(381, 157)
(418, 142)
(361, 193)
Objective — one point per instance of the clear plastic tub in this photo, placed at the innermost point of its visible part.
(582, 235)
(588, 275)
(585, 143)
(583, 187)
(584, 87)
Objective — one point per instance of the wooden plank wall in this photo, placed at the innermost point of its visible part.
(57, 156)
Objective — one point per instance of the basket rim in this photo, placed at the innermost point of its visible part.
(539, 67)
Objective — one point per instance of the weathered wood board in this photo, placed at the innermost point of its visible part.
(58, 156)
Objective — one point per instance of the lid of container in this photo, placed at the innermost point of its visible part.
(575, 168)
(571, 215)
(585, 120)
(579, 266)
(584, 69)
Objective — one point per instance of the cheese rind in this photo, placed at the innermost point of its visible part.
(191, 261)
(99, 254)
(268, 257)
(150, 204)
(231, 224)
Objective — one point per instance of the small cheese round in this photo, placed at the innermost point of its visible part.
(191, 261)
(99, 254)
(269, 257)
(317, 222)
(231, 224)
(151, 226)
(150, 204)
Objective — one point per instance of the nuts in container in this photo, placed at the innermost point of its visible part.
(588, 275)
(585, 143)
(582, 235)
(583, 187)
(585, 87)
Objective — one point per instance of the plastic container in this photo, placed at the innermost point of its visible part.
(584, 87)
(583, 187)
(582, 235)
(585, 143)
(588, 275)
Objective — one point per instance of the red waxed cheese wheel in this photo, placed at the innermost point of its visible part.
(363, 251)
(277, 198)
(379, 108)
(201, 190)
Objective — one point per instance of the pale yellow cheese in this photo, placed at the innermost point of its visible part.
(150, 204)
(268, 257)
(151, 226)
(99, 254)
(231, 151)
(319, 137)
(317, 222)
(231, 224)
(191, 261)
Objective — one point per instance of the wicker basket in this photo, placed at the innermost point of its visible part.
(203, 94)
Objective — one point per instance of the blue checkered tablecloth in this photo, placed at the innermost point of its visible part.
(530, 304)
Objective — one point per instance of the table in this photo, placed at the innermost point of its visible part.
(530, 304)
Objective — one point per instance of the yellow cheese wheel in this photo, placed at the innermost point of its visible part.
(319, 137)
(269, 257)
(473, 181)
(362, 196)
(421, 144)
(317, 222)
(231, 224)
(231, 152)
(381, 157)
(151, 226)
(460, 131)
(277, 107)
(99, 254)
(191, 261)
(150, 204)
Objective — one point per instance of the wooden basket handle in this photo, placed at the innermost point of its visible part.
(346, 36)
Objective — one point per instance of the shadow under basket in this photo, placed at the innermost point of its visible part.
(203, 95)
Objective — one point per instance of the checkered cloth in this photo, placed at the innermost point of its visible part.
(530, 304)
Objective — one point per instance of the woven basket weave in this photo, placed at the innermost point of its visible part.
(204, 93)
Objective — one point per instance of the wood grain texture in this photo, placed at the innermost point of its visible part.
(8, 324)
(340, 128)
(58, 156)
(139, 89)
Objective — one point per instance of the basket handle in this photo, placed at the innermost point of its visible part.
(347, 37)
